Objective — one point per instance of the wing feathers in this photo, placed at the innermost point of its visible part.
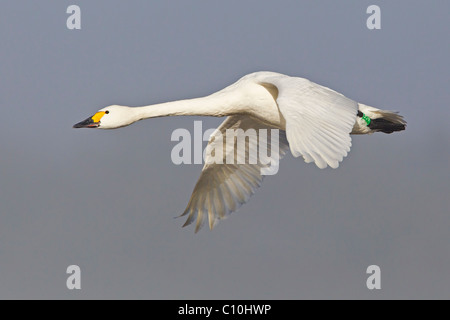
(318, 120)
(223, 188)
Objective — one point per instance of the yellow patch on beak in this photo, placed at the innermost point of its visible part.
(96, 117)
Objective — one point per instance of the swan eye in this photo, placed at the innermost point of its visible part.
(106, 111)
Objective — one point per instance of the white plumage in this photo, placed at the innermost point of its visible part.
(315, 122)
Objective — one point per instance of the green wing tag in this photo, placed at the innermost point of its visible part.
(366, 119)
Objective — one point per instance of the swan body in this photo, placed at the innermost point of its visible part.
(314, 122)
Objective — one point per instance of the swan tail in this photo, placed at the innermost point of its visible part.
(370, 120)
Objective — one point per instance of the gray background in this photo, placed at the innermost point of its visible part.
(105, 200)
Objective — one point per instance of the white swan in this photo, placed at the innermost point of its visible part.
(315, 122)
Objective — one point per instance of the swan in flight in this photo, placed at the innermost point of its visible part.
(313, 121)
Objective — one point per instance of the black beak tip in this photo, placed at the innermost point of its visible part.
(88, 123)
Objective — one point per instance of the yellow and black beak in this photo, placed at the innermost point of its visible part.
(92, 122)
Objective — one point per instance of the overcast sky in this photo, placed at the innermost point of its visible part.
(106, 200)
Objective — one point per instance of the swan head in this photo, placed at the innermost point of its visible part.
(111, 117)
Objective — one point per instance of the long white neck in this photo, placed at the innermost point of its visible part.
(215, 105)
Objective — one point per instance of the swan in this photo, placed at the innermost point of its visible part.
(313, 121)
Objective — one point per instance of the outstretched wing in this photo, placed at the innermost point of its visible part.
(232, 172)
(318, 120)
